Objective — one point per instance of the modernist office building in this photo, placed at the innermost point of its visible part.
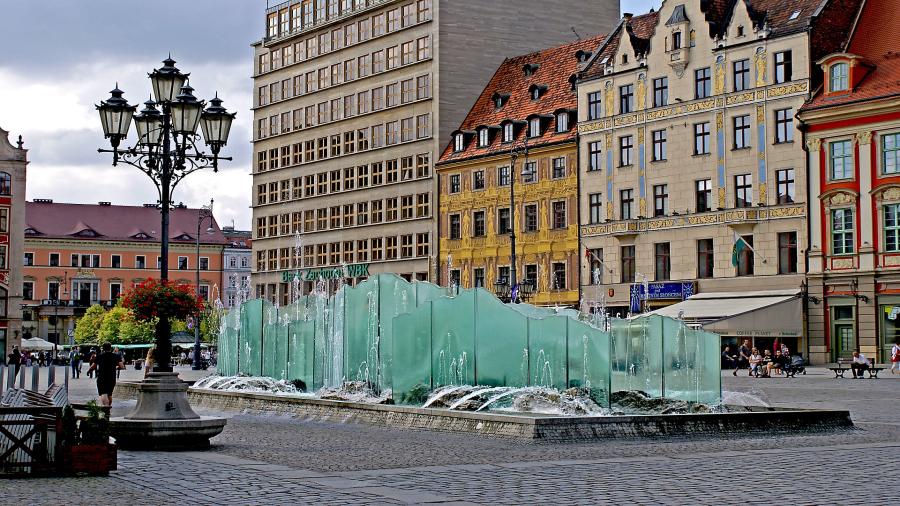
(354, 100)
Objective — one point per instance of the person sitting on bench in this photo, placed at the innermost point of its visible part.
(755, 362)
(859, 365)
(778, 363)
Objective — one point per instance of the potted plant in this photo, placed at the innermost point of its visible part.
(85, 442)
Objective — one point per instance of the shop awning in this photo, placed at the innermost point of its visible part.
(762, 313)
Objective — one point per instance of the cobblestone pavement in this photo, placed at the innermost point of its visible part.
(268, 460)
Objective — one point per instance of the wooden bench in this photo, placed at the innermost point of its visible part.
(845, 364)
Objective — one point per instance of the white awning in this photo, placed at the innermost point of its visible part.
(763, 313)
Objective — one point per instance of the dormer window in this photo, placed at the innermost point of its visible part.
(624, 59)
(740, 31)
(529, 69)
(498, 102)
(534, 127)
(838, 77)
(582, 56)
(676, 41)
(87, 233)
(483, 137)
(508, 132)
(499, 99)
(536, 91)
(458, 143)
(140, 235)
(562, 122)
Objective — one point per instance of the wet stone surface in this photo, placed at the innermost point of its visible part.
(282, 460)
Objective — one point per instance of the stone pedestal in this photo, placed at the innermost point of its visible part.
(163, 419)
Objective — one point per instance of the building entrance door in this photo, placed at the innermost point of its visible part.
(845, 341)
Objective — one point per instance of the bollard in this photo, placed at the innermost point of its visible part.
(2, 377)
(35, 378)
(66, 375)
(51, 375)
(22, 377)
(10, 378)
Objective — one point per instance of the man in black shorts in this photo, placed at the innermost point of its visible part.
(106, 365)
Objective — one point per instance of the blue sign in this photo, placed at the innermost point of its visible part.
(657, 291)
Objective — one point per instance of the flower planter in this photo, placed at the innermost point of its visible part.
(91, 460)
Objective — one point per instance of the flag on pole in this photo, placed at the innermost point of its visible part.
(739, 246)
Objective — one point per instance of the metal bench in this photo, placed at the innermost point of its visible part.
(845, 364)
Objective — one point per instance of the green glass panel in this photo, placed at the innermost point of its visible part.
(269, 339)
(546, 358)
(426, 291)
(637, 355)
(453, 340)
(412, 347)
(588, 360)
(396, 296)
(250, 353)
(679, 360)
(361, 324)
(501, 336)
(709, 372)
(300, 352)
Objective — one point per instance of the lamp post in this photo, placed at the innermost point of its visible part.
(514, 154)
(166, 151)
(204, 214)
(65, 291)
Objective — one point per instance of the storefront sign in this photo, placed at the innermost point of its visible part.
(349, 271)
(659, 291)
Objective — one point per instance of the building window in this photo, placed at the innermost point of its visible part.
(659, 145)
(595, 159)
(660, 91)
(596, 260)
(478, 223)
(29, 259)
(559, 214)
(28, 290)
(745, 258)
(784, 179)
(743, 190)
(503, 221)
(787, 253)
(508, 132)
(204, 263)
(838, 77)
(841, 158)
(531, 217)
(478, 180)
(660, 199)
(626, 202)
(454, 183)
(534, 127)
(627, 264)
(784, 126)
(892, 227)
(890, 154)
(562, 122)
(529, 172)
(54, 259)
(676, 40)
(53, 290)
(595, 107)
(459, 143)
(140, 262)
(705, 258)
(559, 276)
(662, 262)
(116, 261)
(626, 98)
(595, 206)
(115, 290)
(742, 132)
(479, 277)
(483, 138)
(503, 176)
(841, 231)
(741, 75)
(702, 83)
(701, 138)
(626, 147)
(703, 195)
(783, 67)
(559, 167)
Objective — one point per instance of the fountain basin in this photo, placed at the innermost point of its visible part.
(530, 427)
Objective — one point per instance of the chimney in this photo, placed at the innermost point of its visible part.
(105, 204)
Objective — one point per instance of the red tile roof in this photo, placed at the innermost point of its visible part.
(641, 29)
(873, 40)
(113, 223)
(555, 67)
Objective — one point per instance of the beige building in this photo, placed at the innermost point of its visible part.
(688, 142)
(13, 163)
(353, 102)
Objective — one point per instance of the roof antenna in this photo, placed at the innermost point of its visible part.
(576, 33)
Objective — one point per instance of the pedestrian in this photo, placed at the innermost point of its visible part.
(729, 359)
(895, 357)
(121, 354)
(743, 359)
(148, 363)
(15, 359)
(859, 365)
(91, 357)
(106, 364)
(41, 358)
(75, 357)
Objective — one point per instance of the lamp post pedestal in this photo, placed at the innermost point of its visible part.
(163, 419)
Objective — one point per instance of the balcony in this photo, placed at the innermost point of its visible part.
(76, 303)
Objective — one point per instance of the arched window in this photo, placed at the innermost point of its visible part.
(838, 79)
(5, 183)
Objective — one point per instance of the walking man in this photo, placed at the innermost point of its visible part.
(15, 360)
(106, 364)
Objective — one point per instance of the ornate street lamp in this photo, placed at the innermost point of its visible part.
(167, 151)
(204, 214)
(526, 173)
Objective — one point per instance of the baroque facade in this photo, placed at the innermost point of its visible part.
(689, 146)
(13, 163)
(353, 102)
(853, 144)
(529, 103)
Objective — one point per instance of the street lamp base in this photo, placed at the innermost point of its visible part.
(163, 419)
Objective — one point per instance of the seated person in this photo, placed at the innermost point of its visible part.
(755, 361)
(729, 359)
(778, 363)
(764, 365)
(860, 364)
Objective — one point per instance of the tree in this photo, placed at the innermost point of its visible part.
(110, 329)
(133, 331)
(87, 329)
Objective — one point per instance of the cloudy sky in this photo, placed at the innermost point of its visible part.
(61, 57)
